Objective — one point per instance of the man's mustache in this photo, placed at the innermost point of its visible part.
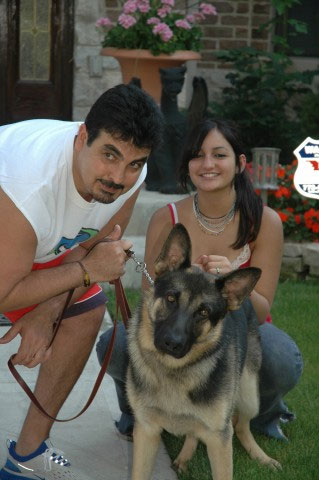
(117, 186)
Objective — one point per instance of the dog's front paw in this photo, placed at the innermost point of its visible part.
(273, 464)
(179, 465)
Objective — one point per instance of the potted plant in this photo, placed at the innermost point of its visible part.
(151, 34)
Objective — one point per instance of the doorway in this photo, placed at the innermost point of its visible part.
(36, 59)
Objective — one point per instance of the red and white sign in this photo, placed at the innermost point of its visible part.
(306, 178)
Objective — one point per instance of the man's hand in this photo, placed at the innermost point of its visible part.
(36, 329)
(106, 261)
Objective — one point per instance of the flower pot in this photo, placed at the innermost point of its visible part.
(144, 65)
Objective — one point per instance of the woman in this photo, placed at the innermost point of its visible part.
(230, 228)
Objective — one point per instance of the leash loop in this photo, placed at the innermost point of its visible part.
(140, 266)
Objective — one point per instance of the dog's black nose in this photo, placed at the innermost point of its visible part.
(174, 344)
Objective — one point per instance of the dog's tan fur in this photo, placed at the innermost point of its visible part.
(163, 390)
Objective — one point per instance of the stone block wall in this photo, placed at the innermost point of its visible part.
(93, 74)
(300, 261)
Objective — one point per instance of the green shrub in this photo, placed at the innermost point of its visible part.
(261, 92)
(309, 115)
(264, 91)
(299, 215)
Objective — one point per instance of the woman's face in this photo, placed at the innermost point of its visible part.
(214, 167)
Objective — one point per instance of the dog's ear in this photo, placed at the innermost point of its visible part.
(237, 285)
(176, 251)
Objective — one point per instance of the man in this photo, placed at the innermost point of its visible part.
(65, 185)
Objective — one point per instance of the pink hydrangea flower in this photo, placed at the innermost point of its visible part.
(183, 24)
(208, 9)
(158, 18)
(103, 22)
(130, 6)
(199, 16)
(153, 21)
(126, 21)
(191, 18)
(163, 11)
(171, 3)
(163, 31)
(143, 6)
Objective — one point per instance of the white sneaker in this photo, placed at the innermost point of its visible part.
(49, 465)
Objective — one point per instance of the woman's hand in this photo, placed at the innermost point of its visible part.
(214, 264)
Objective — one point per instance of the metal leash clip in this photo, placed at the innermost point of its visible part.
(140, 266)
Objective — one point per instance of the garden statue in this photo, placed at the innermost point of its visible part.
(197, 109)
(163, 164)
(136, 82)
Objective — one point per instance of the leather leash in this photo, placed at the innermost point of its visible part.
(122, 305)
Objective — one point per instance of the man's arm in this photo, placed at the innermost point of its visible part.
(35, 327)
(19, 287)
(122, 217)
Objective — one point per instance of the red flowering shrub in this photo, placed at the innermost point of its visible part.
(299, 215)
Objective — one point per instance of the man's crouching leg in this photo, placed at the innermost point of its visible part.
(57, 376)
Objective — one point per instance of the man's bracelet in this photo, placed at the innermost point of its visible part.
(86, 276)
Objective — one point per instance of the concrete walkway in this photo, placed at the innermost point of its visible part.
(91, 441)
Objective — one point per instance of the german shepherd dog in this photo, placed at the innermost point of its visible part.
(193, 366)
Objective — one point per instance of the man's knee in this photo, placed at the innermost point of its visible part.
(87, 323)
(97, 317)
(119, 358)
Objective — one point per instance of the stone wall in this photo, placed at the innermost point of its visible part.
(300, 261)
(93, 74)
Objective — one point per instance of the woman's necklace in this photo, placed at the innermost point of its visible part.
(212, 226)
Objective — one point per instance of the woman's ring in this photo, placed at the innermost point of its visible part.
(218, 270)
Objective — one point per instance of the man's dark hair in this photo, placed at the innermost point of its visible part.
(128, 113)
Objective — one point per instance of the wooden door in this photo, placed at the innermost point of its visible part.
(36, 59)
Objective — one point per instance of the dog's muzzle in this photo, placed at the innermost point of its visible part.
(173, 340)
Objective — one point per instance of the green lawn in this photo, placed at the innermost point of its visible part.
(295, 310)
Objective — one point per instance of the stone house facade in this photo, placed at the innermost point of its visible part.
(236, 25)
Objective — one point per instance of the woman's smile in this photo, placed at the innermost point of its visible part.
(209, 175)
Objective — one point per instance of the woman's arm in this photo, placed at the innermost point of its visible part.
(267, 255)
(158, 230)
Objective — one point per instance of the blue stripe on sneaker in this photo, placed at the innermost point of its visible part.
(11, 476)
(11, 466)
(42, 448)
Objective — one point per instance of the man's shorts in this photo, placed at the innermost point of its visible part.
(91, 299)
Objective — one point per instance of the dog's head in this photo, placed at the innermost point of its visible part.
(189, 304)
